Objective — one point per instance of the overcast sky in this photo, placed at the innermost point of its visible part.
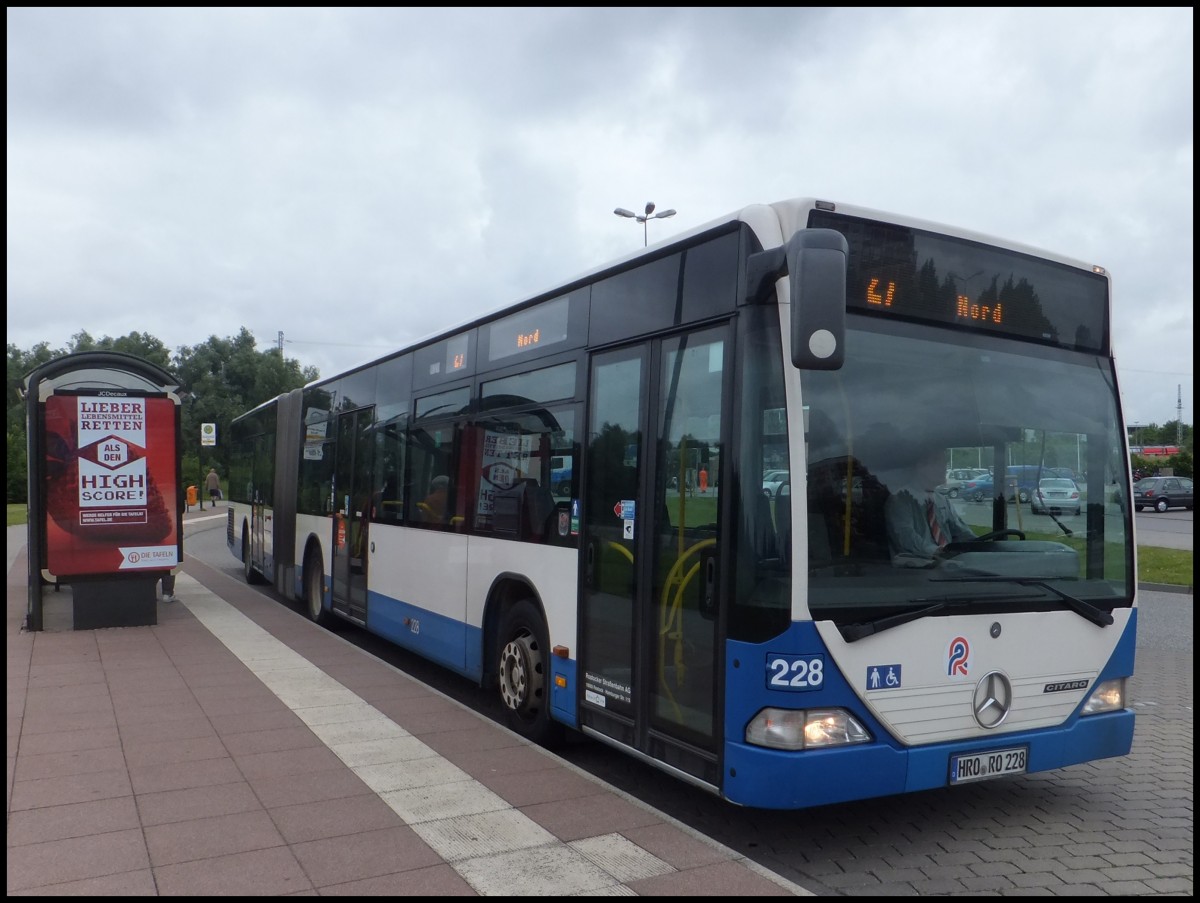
(357, 179)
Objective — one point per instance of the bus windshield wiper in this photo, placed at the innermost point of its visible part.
(1097, 616)
(1066, 530)
(852, 632)
(863, 629)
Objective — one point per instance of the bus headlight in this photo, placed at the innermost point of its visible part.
(1107, 697)
(801, 729)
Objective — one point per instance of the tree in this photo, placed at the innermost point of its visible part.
(20, 364)
(146, 347)
(1167, 434)
(224, 378)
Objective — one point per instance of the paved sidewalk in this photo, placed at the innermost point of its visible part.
(235, 748)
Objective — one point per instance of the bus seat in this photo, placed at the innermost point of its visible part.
(783, 521)
(540, 507)
(524, 510)
(763, 529)
(824, 518)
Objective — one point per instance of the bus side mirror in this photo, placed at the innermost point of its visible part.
(814, 260)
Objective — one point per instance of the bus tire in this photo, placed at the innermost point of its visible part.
(314, 591)
(252, 576)
(523, 668)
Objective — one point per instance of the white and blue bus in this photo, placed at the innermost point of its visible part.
(774, 647)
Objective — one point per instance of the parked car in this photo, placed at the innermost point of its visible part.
(980, 489)
(1022, 480)
(1161, 493)
(955, 479)
(560, 475)
(773, 479)
(1057, 495)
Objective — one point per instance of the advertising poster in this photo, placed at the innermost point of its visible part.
(112, 500)
(316, 428)
(506, 459)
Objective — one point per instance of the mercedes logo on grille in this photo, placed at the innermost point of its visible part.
(993, 699)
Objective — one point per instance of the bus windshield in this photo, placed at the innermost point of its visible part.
(890, 531)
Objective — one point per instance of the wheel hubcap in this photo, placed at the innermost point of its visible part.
(519, 677)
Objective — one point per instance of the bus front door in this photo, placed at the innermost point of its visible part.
(650, 660)
(352, 501)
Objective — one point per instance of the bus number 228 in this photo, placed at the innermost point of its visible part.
(795, 672)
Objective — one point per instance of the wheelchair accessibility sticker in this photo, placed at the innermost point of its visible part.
(883, 677)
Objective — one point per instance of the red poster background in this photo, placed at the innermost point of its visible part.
(147, 541)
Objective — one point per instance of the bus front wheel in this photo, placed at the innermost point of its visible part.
(523, 668)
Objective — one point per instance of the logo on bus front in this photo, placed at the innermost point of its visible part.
(958, 657)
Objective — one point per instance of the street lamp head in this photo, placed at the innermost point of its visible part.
(644, 218)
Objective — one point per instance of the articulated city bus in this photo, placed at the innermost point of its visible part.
(565, 501)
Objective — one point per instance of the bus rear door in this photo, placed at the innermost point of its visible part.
(352, 514)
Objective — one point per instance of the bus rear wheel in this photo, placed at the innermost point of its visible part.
(314, 591)
(252, 576)
(523, 668)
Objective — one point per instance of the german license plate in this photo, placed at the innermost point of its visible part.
(993, 764)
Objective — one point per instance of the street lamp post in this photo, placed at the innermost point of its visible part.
(644, 218)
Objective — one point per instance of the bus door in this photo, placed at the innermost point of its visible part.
(352, 476)
(258, 532)
(259, 510)
(650, 660)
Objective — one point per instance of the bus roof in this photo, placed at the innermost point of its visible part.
(771, 223)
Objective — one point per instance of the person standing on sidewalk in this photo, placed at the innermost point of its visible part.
(213, 484)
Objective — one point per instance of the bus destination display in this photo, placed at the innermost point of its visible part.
(904, 272)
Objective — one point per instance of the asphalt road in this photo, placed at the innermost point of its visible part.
(1169, 530)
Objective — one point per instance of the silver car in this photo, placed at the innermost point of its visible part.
(1057, 495)
(956, 478)
(772, 480)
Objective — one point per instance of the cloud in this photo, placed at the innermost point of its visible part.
(356, 179)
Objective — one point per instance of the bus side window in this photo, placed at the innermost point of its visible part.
(433, 490)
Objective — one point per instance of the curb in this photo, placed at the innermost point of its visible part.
(1166, 588)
